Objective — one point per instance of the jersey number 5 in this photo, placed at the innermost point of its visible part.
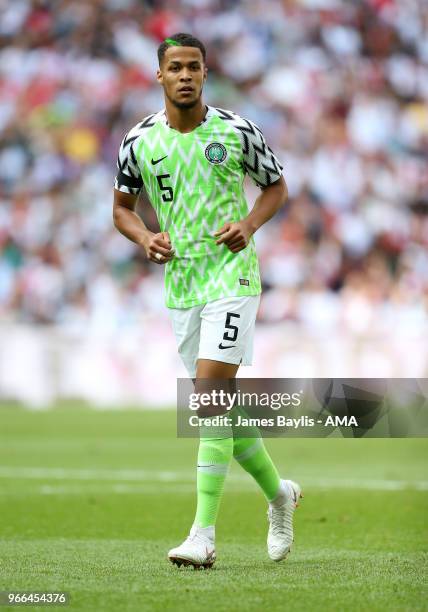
(233, 333)
(167, 195)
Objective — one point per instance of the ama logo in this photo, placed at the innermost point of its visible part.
(355, 402)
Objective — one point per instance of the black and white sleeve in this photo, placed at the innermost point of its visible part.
(128, 178)
(259, 160)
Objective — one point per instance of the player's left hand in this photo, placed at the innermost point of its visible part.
(235, 236)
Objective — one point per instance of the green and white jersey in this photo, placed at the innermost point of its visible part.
(195, 184)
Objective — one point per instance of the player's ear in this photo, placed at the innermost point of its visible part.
(159, 76)
(205, 73)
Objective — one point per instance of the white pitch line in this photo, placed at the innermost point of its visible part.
(143, 477)
(84, 474)
(364, 484)
(146, 489)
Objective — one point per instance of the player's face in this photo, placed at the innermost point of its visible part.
(182, 75)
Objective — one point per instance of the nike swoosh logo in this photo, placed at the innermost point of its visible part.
(209, 555)
(156, 161)
(220, 346)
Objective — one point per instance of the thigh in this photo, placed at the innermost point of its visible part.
(227, 329)
(219, 370)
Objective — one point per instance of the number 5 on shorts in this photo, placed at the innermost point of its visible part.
(233, 328)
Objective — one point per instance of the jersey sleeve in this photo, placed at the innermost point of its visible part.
(259, 160)
(128, 178)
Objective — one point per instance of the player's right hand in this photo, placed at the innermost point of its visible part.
(158, 248)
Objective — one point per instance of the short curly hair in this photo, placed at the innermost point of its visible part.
(180, 40)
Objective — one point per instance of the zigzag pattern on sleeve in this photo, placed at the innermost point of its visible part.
(128, 178)
(259, 160)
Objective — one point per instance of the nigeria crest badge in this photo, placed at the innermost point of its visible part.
(216, 153)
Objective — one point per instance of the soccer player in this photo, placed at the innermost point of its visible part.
(191, 159)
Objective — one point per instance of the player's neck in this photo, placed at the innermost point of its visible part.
(185, 119)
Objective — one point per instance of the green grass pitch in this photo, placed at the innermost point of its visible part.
(91, 501)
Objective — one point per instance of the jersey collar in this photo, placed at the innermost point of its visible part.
(208, 116)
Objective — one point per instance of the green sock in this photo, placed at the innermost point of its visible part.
(252, 455)
(214, 457)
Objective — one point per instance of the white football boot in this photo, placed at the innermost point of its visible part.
(280, 516)
(197, 550)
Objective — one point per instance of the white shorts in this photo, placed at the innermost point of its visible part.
(222, 330)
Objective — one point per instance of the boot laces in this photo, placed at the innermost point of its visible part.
(281, 520)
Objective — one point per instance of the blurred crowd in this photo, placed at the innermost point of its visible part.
(340, 90)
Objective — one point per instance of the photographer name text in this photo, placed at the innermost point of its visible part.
(278, 420)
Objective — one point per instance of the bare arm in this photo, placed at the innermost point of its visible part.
(267, 204)
(157, 246)
(236, 236)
